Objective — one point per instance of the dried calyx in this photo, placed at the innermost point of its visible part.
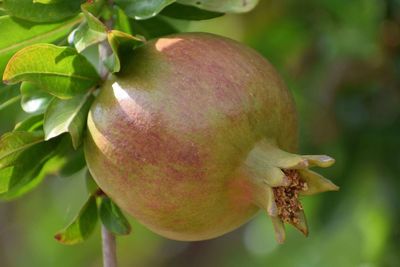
(287, 197)
(281, 178)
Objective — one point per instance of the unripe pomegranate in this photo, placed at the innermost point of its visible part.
(195, 135)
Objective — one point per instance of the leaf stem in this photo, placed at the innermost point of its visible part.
(104, 47)
(10, 101)
(109, 248)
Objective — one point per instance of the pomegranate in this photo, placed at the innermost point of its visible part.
(195, 135)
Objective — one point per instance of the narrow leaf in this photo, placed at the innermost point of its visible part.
(40, 12)
(5, 175)
(89, 33)
(121, 43)
(179, 11)
(61, 71)
(122, 21)
(65, 160)
(91, 185)
(152, 28)
(94, 23)
(46, 1)
(26, 33)
(84, 37)
(82, 226)
(95, 7)
(31, 124)
(14, 143)
(29, 169)
(33, 99)
(75, 162)
(7, 93)
(224, 6)
(17, 180)
(143, 9)
(10, 102)
(67, 116)
(112, 217)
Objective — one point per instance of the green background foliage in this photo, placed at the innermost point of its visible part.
(341, 61)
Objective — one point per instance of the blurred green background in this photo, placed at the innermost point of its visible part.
(341, 61)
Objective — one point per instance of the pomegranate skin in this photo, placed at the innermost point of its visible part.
(168, 136)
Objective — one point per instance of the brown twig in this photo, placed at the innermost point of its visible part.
(108, 238)
(109, 248)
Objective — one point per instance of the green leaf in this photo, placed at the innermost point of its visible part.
(25, 174)
(5, 181)
(112, 217)
(75, 162)
(67, 116)
(152, 28)
(82, 226)
(47, 1)
(96, 7)
(121, 22)
(12, 144)
(224, 6)
(9, 95)
(121, 43)
(29, 169)
(91, 185)
(10, 102)
(65, 160)
(26, 33)
(89, 33)
(33, 99)
(179, 11)
(143, 9)
(30, 124)
(39, 12)
(61, 71)
(84, 37)
(7, 92)
(17, 180)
